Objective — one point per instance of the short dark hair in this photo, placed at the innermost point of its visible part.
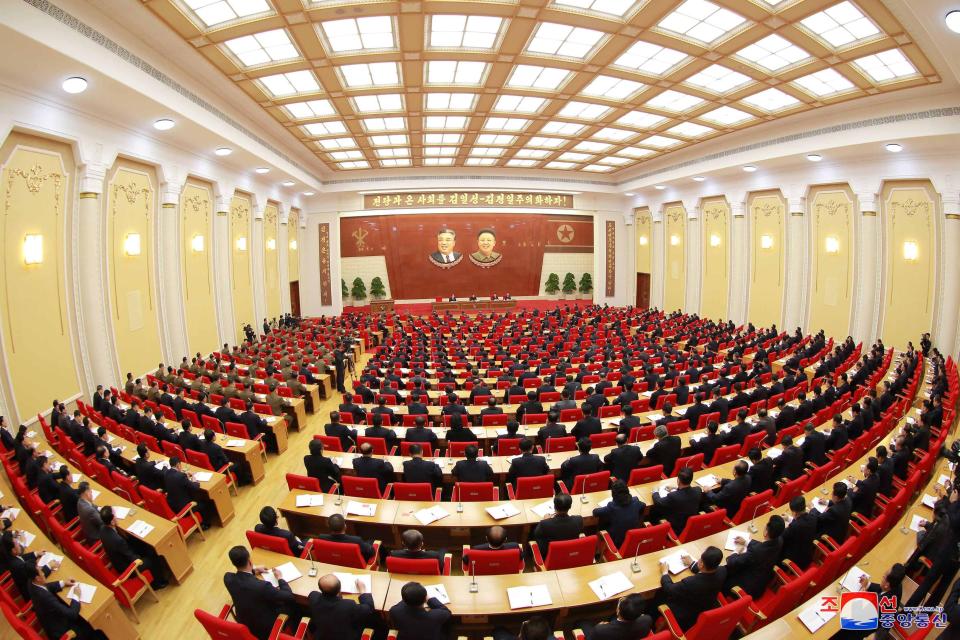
(416, 449)
(711, 557)
(535, 628)
(584, 445)
(775, 526)
(798, 504)
(685, 475)
(413, 594)
(526, 444)
(239, 556)
(483, 231)
(471, 451)
(268, 516)
(631, 606)
(336, 523)
(562, 502)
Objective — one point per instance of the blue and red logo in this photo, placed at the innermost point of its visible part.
(859, 611)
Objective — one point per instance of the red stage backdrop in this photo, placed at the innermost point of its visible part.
(423, 263)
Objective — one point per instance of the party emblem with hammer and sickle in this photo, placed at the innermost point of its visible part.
(565, 233)
(360, 235)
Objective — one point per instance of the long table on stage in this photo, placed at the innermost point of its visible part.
(477, 305)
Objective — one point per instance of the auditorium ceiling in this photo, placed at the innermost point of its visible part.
(595, 86)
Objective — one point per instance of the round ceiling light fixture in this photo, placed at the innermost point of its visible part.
(814, 157)
(288, 183)
(75, 84)
(659, 187)
(893, 147)
(164, 124)
(223, 151)
(262, 170)
(952, 20)
(309, 193)
(749, 168)
(698, 178)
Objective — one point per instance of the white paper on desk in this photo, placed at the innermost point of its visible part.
(929, 500)
(234, 443)
(31, 434)
(697, 439)
(605, 502)
(675, 563)
(348, 582)
(501, 432)
(503, 511)
(94, 493)
(121, 512)
(140, 529)
(916, 522)
(850, 485)
(725, 428)
(426, 516)
(851, 582)
(10, 513)
(310, 500)
(203, 476)
(26, 538)
(82, 592)
(162, 464)
(664, 490)
(76, 477)
(361, 508)
(774, 452)
(653, 417)
(820, 504)
(611, 585)
(47, 558)
(943, 480)
(544, 509)
(437, 591)
(708, 480)
(813, 618)
(289, 572)
(733, 535)
(799, 441)
(532, 596)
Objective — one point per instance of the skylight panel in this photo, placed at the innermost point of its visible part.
(214, 12)
(560, 165)
(442, 138)
(533, 77)
(674, 101)
(347, 155)
(398, 152)
(519, 104)
(464, 32)
(612, 88)
(562, 128)
(616, 135)
(490, 152)
(573, 156)
(583, 110)
(599, 168)
(773, 52)
(495, 138)
(771, 100)
(263, 48)
(506, 124)
(886, 65)
(636, 152)
(824, 83)
(563, 40)
(289, 84)
(355, 164)
(437, 162)
(396, 162)
(310, 109)
(840, 25)
(331, 128)
(546, 143)
(445, 122)
(701, 21)
(658, 142)
(726, 116)
(718, 79)
(450, 101)
(482, 162)
(591, 146)
(521, 163)
(331, 144)
(384, 124)
(618, 8)
(650, 58)
(375, 103)
(640, 119)
(690, 130)
(439, 151)
(373, 74)
(389, 140)
(614, 160)
(538, 154)
(463, 72)
(359, 34)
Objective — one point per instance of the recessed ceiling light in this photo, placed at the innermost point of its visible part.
(262, 170)
(163, 124)
(660, 187)
(223, 151)
(308, 193)
(630, 194)
(814, 157)
(953, 21)
(76, 84)
(749, 168)
(698, 178)
(893, 147)
(288, 183)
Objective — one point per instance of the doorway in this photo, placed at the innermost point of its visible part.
(295, 298)
(643, 290)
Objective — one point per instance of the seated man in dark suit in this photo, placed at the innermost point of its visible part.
(800, 534)
(532, 405)
(413, 548)
(553, 428)
(839, 436)
(628, 421)
(835, 521)
(416, 406)
(414, 622)
(789, 464)
(257, 603)
(708, 444)
(732, 491)
(183, 489)
(377, 430)
(145, 469)
(458, 432)
(739, 431)
(421, 434)
(471, 469)
(694, 594)
(665, 451)
(418, 470)
(751, 566)
(496, 541)
(367, 466)
(335, 429)
(679, 504)
(359, 413)
(333, 616)
(629, 623)
(383, 410)
(187, 439)
(54, 616)
(864, 494)
(513, 428)
(582, 463)
(337, 526)
(318, 466)
(268, 526)
(121, 553)
(814, 445)
(623, 459)
(527, 464)
(761, 471)
(587, 425)
(562, 526)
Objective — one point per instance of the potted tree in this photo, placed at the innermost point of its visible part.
(376, 289)
(552, 285)
(586, 285)
(359, 290)
(344, 291)
(569, 284)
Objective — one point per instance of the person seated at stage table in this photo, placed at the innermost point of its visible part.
(383, 410)
(494, 297)
(527, 464)
(367, 466)
(416, 407)
(694, 594)
(507, 296)
(531, 405)
(629, 623)
(337, 527)
(587, 425)
(679, 504)
(452, 298)
(377, 430)
(413, 548)
(473, 297)
(268, 526)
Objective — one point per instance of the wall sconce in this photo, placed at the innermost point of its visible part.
(131, 244)
(196, 243)
(766, 242)
(911, 252)
(714, 240)
(242, 243)
(832, 245)
(643, 241)
(271, 244)
(293, 245)
(33, 249)
(674, 240)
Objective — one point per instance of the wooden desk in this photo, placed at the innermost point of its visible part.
(104, 612)
(474, 306)
(381, 306)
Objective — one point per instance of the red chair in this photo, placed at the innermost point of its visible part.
(202, 460)
(219, 628)
(494, 420)
(642, 433)
(787, 491)
(565, 554)
(644, 475)
(188, 522)
(775, 604)
(405, 448)
(534, 418)
(330, 443)
(559, 444)
(604, 439)
(754, 505)
(638, 542)
(704, 524)
(508, 447)
(694, 463)
(588, 483)
(421, 491)
(170, 450)
(570, 415)
(458, 449)
(343, 554)
(419, 566)
(356, 487)
(128, 586)
(303, 483)
(611, 411)
(270, 543)
(192, 417)
(725, 454)
(751, 441)
(707, 417)
(127, 487)
(209, 422)
(712, 624)
(491, 562)
(532, 487)
(379, 445)
(475, 492)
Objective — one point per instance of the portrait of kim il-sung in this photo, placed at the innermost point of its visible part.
(445, 256)
(485, 256)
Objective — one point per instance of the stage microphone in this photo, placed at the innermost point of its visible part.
(635, 565)
(474, 587)
(339, 487)
(752, 527)
(313, 565)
